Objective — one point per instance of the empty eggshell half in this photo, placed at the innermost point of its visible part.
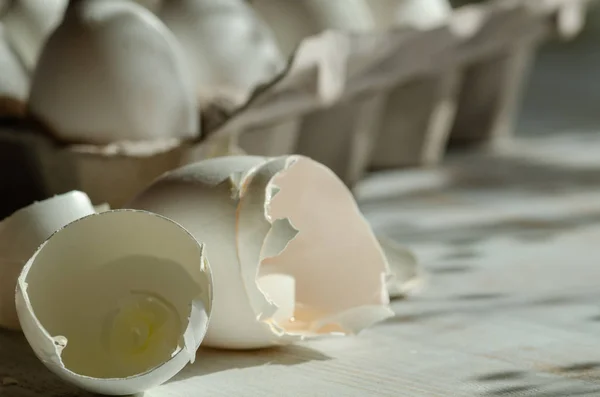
(116, 302)
(23, 232)
(291, 254)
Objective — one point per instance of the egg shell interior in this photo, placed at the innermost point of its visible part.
(335, 260)
(131, 295)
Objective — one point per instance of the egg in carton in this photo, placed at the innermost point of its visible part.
(231, 51)
(111, 106)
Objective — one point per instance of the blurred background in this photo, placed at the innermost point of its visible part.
(75, 114)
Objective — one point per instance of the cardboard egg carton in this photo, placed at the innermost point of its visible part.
(459, 82)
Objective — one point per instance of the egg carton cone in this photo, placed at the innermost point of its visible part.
(457, 82)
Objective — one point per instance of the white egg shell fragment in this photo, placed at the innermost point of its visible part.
(23, 232)
(125, 80)
(29, 22)
(406, 275)
(14, 80)
(419, 14)
(276, 283)
(117, 302)
(230, 50)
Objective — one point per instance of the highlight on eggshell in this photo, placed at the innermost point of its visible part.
(126, 78)
(131, 299)
(14, 81)
(23, 232)
(29, 23)
(292, 256)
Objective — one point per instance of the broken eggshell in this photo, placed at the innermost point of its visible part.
(106, 92)
(131, 298)
(406, 275)
(291, 254)
(23, 232)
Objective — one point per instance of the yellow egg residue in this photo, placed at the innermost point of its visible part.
(141, 333)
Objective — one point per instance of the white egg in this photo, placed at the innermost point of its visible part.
(14, 81)
(112, 72)
(292, 256)
(131, 297)
(28, 23)
(23, 232)
(231, 51)
(229, 48)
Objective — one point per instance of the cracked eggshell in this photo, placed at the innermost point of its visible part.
(29, 23)
(131, 299)
(14, 81)
(203, 198)
(125, 80)
(292, 256)
(23, 232)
